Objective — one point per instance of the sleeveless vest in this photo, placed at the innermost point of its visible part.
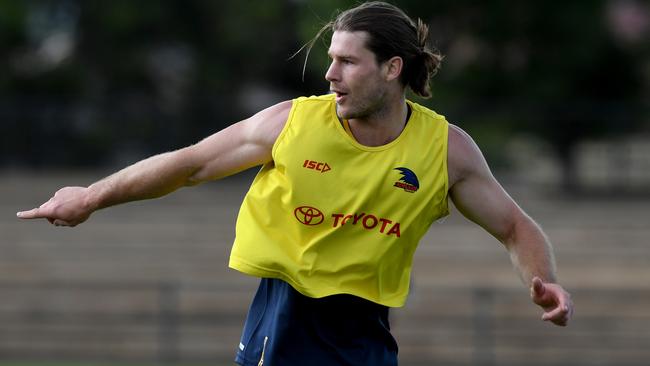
(331, 216)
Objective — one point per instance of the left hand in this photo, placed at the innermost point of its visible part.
(556, 302)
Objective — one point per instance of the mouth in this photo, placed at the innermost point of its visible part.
(339, 95)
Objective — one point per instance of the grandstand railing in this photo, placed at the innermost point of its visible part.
(168, 323)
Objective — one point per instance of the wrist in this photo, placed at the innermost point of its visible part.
(93, 200)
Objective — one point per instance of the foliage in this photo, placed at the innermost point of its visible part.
(97, 82)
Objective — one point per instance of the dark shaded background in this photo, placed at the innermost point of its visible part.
(97, 83)
(556, 94)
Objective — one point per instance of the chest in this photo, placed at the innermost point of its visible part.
(322, 162)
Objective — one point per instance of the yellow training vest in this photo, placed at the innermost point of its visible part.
(331, 216)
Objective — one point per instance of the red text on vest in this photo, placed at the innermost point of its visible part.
(368, 222)
(315, 165)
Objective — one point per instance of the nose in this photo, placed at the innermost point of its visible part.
(332, 73)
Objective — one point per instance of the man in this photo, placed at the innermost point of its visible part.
(350, 183)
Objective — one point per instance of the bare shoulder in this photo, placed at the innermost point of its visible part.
(278, 111)
(239, 146)
(464, 156)
(266, 125)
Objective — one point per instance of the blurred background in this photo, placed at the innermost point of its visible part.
(556, 94)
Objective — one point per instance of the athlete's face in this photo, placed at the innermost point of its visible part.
(355, 77)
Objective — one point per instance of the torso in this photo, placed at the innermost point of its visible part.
(366, 210)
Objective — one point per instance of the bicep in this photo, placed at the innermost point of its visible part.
(243, 145)
(475, 191)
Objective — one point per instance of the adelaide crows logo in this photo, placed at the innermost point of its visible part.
(409, 181)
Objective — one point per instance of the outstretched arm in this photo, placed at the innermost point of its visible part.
(480, 198)
(240, 146)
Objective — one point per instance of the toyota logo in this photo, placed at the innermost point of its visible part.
(308, 215)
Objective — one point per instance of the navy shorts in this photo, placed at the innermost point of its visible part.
(286, 328)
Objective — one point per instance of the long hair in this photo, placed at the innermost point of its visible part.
(391, 33)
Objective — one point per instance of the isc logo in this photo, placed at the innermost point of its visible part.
(314, 165)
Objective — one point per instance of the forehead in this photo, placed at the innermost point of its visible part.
(349, 44)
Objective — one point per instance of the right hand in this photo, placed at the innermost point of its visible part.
(68, 207)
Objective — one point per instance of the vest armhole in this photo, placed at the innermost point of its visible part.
(445, 160)
(292, 112)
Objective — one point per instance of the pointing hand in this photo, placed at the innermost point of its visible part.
(68, 207)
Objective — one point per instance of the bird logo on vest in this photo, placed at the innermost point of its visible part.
(409, 181)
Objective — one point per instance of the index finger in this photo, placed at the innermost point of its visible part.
(36, 213)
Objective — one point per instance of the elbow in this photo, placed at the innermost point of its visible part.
(194, 177)
(192, 181)
(187, 160)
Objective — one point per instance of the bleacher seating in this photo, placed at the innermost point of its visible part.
(148, 282)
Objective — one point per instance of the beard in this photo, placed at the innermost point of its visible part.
(363, 107)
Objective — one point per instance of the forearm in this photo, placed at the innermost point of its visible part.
(531, 252)
(150, 178)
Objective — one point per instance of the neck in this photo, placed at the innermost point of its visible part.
(383, 126)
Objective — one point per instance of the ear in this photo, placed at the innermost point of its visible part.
(393, 68)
